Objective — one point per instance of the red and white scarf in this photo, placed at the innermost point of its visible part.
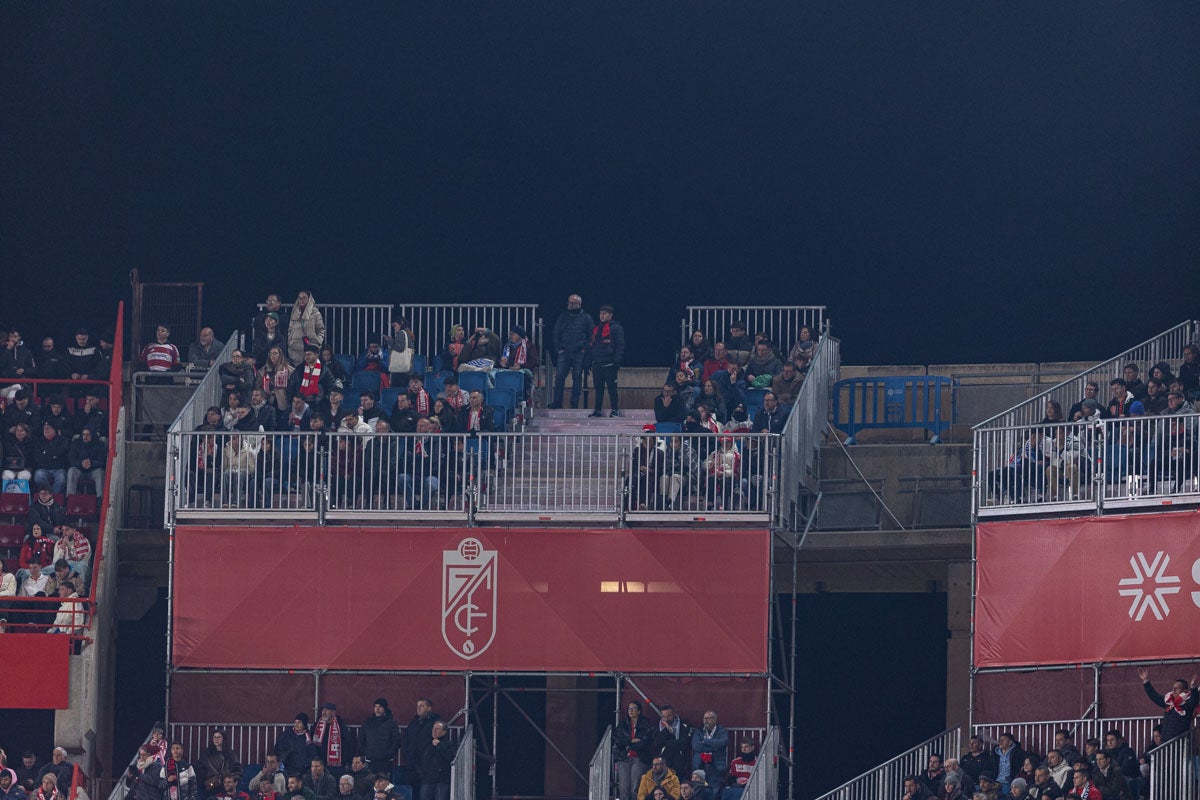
(310, 380)
(172, 786)
(1177, 702)
(333, 746)
(40, 794)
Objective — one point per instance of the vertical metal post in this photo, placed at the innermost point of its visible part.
(170, 615)
(321, 485)
(316, 693)
(495, 732)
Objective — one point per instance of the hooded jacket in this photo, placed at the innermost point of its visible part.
(306, 323)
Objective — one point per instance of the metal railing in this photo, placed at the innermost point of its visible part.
(913, 401)
(887, 779)
(1173, 769)
(347, 325)
(1087, 467)
(1038, 737)
(280, 476)
(781, 323)
(462, 769)
(764, 778)
(1166, 346)
(431, 323)
(176, 305)
(801, 439)
(207, 390)
(600, 768)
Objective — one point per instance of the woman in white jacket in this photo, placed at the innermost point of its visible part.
(306, 323)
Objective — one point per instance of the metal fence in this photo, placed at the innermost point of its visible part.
(1173, 769)
(781, 323)
(600, 769)
(201, 387)
(764, 778)
(431, 322)
(887, 779)
(1166, 346)
(176, 305)
(1087, 467)
(347, 325)
(464, 477)
(801, 439)
(1038, 737)
(462, 769)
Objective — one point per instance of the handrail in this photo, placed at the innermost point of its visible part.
(1172, 769)
(764, 778)
(885, 780)
(801, 437)
(462, 769)
(600, 768)
(1166, 346)
(207, 391)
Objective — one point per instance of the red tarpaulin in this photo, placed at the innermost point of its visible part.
(472, 598)
(35, 670)
(1083, 590)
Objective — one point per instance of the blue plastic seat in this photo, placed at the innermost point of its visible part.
(500, 416)
(506, 399)
(387, 398)
(668, 427)
(366, 380)
(347, 363)
(435, 382)
(754, 397)
(473, 381)
(510, 379)
(419, 363)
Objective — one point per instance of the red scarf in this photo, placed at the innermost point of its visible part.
(40, 794)
(333, 747)
(632, 733)
(1176, 702)
(172, 770)
(310, 380)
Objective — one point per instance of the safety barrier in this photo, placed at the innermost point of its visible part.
(781, 323)
(176, 305)
(1038, 737)
(887, 779)
(600, 769)
(378, 477)
(1087, 467)
(764, 778)
(802, 435)
(1166, 346)
(207, 391)
(1173, 769)
(462, 769)
(905, 402)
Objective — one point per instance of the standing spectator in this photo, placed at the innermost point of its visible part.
(87, 456)
(1189, 372)
(203, 353)
(419, 732)
(269, 339)
(738, 345)
(436, 755)
(143, 778)
(83, 360)
(15, 359)
(50, 363)
(571, 331)
(632, 742)
(710, 749)
(217, 762)
(606, 351)
(1179, 704)
(401, 348)
(674, 736)
(307, 325)
(331, 739)
(160, 355)
(260, 328)
(178, 775)
(379, 738)
(276, 374)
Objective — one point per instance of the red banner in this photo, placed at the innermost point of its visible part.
(35, 671)
(1071, 591)
(485, 599)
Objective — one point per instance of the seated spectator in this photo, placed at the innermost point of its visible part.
(239, 462)
(707, 420)
(659, 776)
(47, 512)
(519, 354)
(368, 411)
(50, 458)
(8, 581)
(476, 417)
(275, 375)
(739, 771)
(374, 359)
(229, 788)
(71, 617)
(75, 550)
(335, 407)
(262, 415)
(425, 467)
(762, 366)
(403, 418)
(106, 353)
(238, 374)
(353, 423)
(340, 376)
(271, 773)
(10, 789)
(667, 406)
(804, 347)
(160, 355)
(686, 364)
(91, 415)
(685, 390)
(59, 767)
(442, 411)
(771, 417)
(1189, 372)
(64, 575)
(711, 397)
(16, 361)
(701, 789)
(1059, 768)
(1091, 391)
(680, 473)
(645, 472)
(786, 385)
(932, 777)
(723, 468)
(258, 328)
(268, 339)
(732, 383)
(452, 352)
(319, 779)
(1156, 397)
(48, 790)
(29, 768)
(480, 352)
(401, 347)
(739, 420)
(18, 455)
(234, 411)
(298, 415)
(346, 782)
(418, 398)
(453, 394)
(305, 326)
(1133, 381)
(738, 345)
(87, 457)
(55, 413)
(701, 348)
(34, 581)
(311, 380)
(22, 410)
(718, 361)
(203, 353)
(50, 363)
(1123, 402)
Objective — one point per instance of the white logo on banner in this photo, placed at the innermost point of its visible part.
(468, 598)
(1144, 598)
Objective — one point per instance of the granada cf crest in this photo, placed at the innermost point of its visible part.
(469, 598)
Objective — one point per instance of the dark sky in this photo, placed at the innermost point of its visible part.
(956, 181)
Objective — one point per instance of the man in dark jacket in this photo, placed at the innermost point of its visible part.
(83, 360)
(977, 760)
(771, 417)
(311, 379)
(50, 458)
(143, 779)
(16, 361)
(294, 746)
(59, 767)
(673, 741)
(86, 456)
(379, 738)
(1107, 777)
(417, 737)
(606, 351)
(434, 767)
(317, 778)
(571, 331)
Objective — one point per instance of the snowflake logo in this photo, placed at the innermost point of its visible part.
(1155, 600)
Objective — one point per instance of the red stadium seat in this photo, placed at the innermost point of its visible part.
(11, 537)
(15, 504)
(82, 505)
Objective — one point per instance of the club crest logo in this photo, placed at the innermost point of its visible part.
(468, 598)
(1149, 586)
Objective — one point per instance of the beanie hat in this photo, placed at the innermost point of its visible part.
(381, 701)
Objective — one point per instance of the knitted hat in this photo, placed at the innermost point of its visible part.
(381, 701)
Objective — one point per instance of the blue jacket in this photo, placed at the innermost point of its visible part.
(717, 744)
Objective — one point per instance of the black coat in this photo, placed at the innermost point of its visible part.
(623, 743)
(147, 785)
(1173, 723)
(379, 738)
(572, 330)
(52, 453)
(294, 751)
(434, 766)
(675, 750)
(418, 736)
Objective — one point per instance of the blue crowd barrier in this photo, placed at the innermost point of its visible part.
(904, 402)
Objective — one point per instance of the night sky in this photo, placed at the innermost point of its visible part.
(956, 181)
